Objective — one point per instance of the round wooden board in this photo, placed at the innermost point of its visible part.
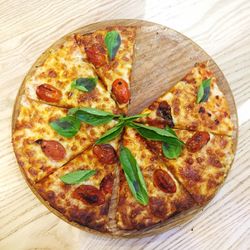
(162, 57)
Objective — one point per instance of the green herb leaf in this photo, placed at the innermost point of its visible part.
(172, 148)
(134, 176)
(92, 116)
(67, 126)
(84, 84)
(132, 118)
(111, 134)
(112, 42)
(152, 133)
(77, 176)
(204, 91)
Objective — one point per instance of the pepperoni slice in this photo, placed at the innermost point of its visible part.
(121, 91)
(105, 153)
(164, 111)
(164, 181)
(107, 184)
(197, 141)
(89, 195)
(96, 55)
(52, 149)
(48, 93)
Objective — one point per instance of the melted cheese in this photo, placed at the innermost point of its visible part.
(68, 63)
(59, 195)
(130, 214)
(33, 124)
(212, 116)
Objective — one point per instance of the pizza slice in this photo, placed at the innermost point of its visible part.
(194, 103)
(39, 148)
(64, 78)
(203, 163)
(111, 52)
(166, 196)
(81, 190)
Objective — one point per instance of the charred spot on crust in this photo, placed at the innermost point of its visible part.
(158, 207)
(164, 111)
(202, 110)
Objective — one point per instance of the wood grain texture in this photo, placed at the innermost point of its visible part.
(221, 27)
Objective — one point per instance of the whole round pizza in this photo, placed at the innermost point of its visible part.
(103, 169)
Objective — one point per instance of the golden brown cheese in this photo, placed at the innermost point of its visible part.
(178, 108)
(32, 126)
(74, 201)
(131, 214)
(120, 67)
(63, 64)
(203, 171)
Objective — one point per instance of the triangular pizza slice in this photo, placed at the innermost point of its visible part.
(165, 195)
(39, 148)
(202, 164)
(64, 78)
(194, 103)
(111, 52)
(81, 190)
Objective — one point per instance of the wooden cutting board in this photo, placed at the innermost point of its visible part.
(162, 57)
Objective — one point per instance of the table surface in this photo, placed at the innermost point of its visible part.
(27, 28)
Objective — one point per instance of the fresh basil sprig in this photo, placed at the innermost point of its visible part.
(134, 176)
(92, 116)
(112, 42)
(77, 176)
(84, 84)
(172, 148)
(153, 133)
(204, 91)
(67, 126)
(132, 118)
(111, 134)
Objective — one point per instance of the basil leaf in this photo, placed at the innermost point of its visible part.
(111, 134)
(132, 118)
(204, 91)
(91, 116)
(77, 176)
(112, 42)
(172, 149)
(84, 84)
(134, 176)
(152, 133)
(67, 126)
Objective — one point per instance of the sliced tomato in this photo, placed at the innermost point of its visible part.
(107, 184)
(48, 93)
(105, 153)
(120, 90)
(52, 149)
(164, 181)
(197, 141)
(89, 195)
(96, 55)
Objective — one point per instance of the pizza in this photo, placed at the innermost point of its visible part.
(40, 150)
(86, 204)
(166, 195)
(178, 107)
(113, 64)
(203, 163)
(98, 168)
(63, 78)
